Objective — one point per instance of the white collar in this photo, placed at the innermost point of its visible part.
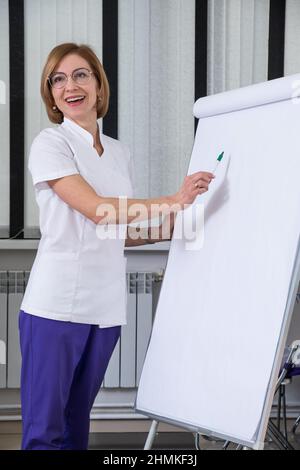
(77, 128)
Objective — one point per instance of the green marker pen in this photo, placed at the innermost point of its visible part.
(219, 159)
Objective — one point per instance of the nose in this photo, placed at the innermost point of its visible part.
(71, 84)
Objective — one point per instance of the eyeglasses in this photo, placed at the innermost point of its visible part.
(79, 76)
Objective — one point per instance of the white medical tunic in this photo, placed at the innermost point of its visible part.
(77, 275)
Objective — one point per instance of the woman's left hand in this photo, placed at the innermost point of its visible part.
(164, 231)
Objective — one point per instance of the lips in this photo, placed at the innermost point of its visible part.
(75, 100)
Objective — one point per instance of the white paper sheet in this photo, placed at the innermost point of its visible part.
(221, 307)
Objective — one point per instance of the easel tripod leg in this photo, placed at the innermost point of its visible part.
(151, 435)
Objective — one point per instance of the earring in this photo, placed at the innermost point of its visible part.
(54, 108)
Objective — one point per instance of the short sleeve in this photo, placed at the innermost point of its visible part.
(50, 157)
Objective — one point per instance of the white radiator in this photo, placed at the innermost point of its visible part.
(126, 363)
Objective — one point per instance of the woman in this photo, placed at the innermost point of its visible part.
(75, 301)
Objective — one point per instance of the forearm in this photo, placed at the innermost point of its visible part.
(149, 235)
(80, 196)
(145, 238)
(139, 237)
(125, 211)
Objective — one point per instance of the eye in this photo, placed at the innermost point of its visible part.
(81, 74)
(57, 78)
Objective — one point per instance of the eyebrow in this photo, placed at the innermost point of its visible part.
(78, 68)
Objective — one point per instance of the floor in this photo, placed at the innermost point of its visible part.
(133, 440)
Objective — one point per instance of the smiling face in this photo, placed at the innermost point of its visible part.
(83, 110)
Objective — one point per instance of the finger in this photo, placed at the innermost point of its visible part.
(201, 182)
(202, 191)
(198, 186)
(201, 174)
(204, 178)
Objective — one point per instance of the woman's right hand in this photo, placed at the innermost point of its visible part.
(192, 186)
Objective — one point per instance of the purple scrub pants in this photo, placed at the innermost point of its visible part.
(63, 365)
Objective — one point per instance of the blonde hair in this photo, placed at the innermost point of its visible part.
(54, 58)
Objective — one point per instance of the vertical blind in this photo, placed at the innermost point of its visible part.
(237, 43)
(4, 119)
(156, 90)
(46, 25)
(292, 38)
(156, 75)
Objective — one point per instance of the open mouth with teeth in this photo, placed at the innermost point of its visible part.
(75, 100)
